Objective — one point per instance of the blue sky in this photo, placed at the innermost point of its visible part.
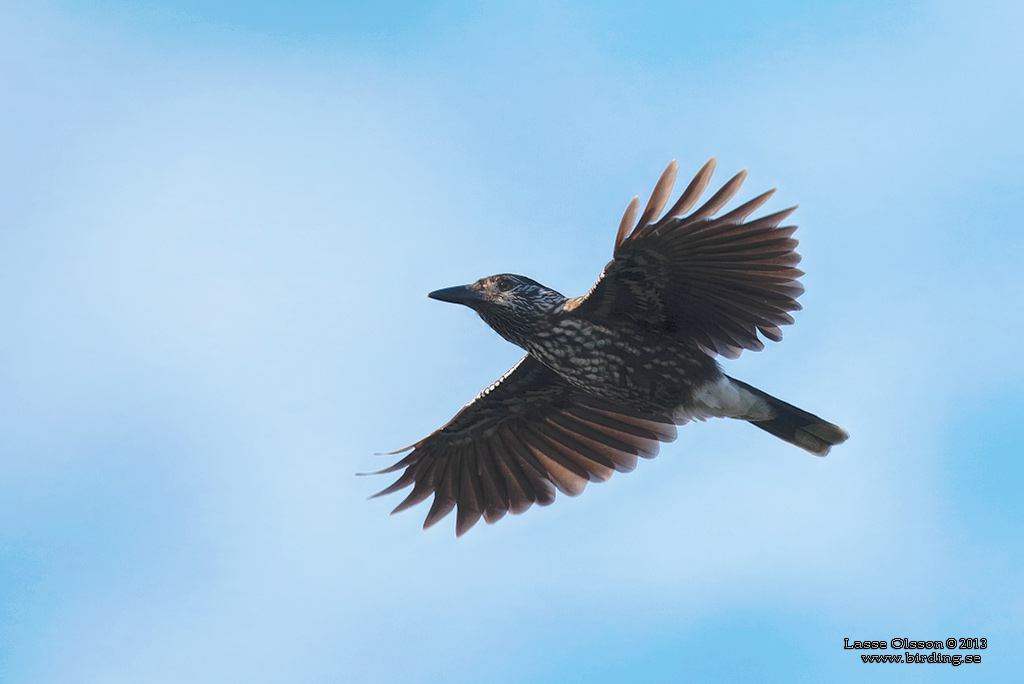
(218, 224)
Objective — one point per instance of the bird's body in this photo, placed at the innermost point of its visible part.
(621, 363)
(607, 376)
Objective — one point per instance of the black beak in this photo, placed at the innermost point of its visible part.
(462, 294)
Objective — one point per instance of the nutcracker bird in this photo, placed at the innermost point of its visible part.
(609, 375)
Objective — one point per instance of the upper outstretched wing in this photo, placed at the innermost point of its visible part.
(717, 281)
(520, 439)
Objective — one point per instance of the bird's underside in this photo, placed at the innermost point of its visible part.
(607, 376)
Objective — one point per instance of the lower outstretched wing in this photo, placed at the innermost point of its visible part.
(522, 438)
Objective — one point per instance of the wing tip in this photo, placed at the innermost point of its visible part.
(628, 221)
(397, 451)
(660, 195)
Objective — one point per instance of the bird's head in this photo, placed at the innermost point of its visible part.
(514, 305)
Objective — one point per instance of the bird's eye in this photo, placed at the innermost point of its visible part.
(505, 283)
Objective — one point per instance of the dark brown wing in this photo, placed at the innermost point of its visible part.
(717, 281)
(520, 439)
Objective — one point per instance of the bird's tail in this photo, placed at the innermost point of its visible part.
(796, 426)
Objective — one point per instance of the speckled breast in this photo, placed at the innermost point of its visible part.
(648, 371)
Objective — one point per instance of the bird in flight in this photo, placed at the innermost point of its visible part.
(609, 375)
